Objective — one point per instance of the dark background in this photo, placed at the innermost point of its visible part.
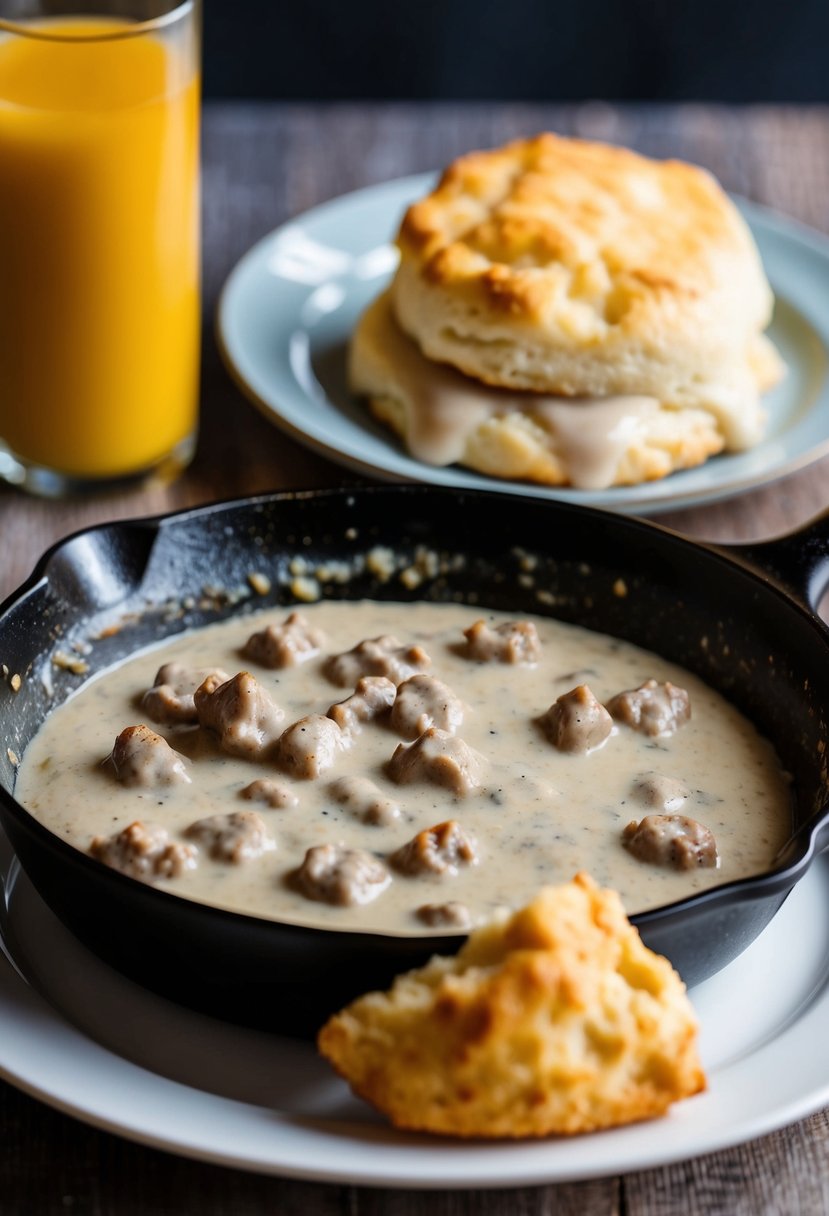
(713, 50)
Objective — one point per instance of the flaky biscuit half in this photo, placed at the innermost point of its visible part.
(564, 266)
(555, 1020)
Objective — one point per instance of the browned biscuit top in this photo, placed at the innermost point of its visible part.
(626, 225)
(562, 266)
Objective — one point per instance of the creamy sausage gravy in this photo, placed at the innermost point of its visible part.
(516, 810)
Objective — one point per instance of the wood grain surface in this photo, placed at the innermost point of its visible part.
(262, 165)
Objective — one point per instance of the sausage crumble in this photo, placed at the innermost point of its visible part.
(654, 709)
(439, 758)
(140, 757)
(310, 746)
(383, 656)
(144, 851)
(365, 800)
(294, 641)
(511, 642)
(171, 698)
(671, 840)
(236, 837)
(660, 793)
(372, 698)
(337, 875)
(452, 914)
(271, 793)
(421, 702)
(442, 849)
(576, 722)
(240, 713)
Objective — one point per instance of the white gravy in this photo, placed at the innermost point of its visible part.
(539, 816)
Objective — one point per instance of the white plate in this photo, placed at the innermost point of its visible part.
(89, 1042)
(289, 307)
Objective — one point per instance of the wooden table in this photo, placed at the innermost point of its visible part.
(263, 164)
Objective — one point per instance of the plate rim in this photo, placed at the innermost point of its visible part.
(454, 1165)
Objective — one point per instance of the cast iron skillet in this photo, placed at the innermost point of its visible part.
(741, 618)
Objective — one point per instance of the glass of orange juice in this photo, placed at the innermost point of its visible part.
(99, 241)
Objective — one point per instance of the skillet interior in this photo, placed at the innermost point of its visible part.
(128, 585)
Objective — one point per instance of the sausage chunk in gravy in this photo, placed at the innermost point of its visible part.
(310, 746)
(236, 837)
(654, 709)
(271, 793)
(442, 849)
(421, 702)
(294, 641)
(439, 758)
(383, 656)
(371, 699)
(511, 642)
(452, 914)
(170, 700)
(140, 757)
(144, 851)
(577, 722)
(241, 713)
(660, 793)
(337, 875)
(671, 840)
(365, 800)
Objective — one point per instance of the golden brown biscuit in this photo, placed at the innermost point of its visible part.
(444, 418)
(579, 269)
(555, 1020)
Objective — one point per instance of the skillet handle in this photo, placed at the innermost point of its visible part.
(799, 561)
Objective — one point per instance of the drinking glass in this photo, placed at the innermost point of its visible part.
(99, 241)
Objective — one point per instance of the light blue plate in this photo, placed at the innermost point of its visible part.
(288, 309)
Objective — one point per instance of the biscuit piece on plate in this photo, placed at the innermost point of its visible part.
(553, 271)
(555, 1020)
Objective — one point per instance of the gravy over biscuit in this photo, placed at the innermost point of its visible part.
(446, 407)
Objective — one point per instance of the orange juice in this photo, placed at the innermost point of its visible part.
(99, 247)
